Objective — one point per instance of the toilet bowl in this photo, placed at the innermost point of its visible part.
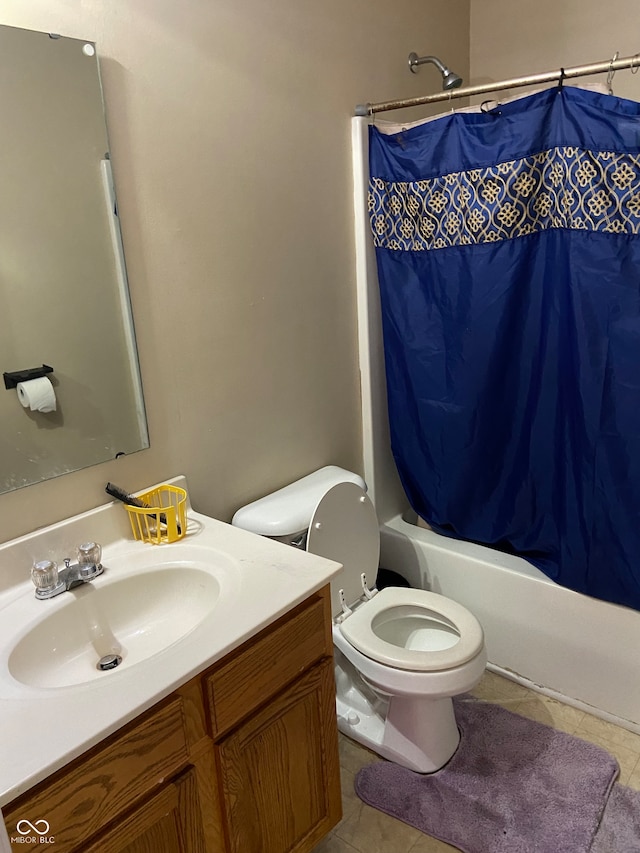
(401, 654)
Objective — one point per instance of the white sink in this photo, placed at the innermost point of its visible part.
(136, 616)
(170, 611)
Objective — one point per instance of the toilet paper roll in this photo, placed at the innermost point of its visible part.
(37, 395)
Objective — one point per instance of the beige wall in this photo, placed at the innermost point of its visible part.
(229, 127)
(513, 39)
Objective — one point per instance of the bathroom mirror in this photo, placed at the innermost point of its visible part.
(64, 299)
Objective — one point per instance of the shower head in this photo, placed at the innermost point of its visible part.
(450, 80)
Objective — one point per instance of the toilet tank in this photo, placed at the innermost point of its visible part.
(286, 514)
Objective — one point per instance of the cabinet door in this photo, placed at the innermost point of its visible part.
(98, 789)
(167, 823)
(280, 770)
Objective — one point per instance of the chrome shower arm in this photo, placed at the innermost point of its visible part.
(415, 61)
(450, 80)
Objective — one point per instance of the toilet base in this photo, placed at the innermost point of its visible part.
(417, 734)
(414, 731)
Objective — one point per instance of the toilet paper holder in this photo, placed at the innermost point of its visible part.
(12, 379)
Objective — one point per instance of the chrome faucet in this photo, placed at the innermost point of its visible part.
(49, 581)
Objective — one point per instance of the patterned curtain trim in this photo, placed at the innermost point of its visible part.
(560, 188)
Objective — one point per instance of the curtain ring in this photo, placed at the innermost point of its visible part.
(561, 79)
(611, 73)
(486, 108)
(634, 63)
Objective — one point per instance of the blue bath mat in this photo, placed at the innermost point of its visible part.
(513, 786)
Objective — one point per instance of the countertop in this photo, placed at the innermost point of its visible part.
(43, 729)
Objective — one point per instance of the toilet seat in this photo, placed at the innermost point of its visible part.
(427, 611)
(439, 633)
(344, 528)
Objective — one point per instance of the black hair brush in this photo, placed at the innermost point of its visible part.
(132, 500)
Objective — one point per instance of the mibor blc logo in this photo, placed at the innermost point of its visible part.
(32, 832)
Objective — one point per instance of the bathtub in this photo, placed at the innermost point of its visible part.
(580, 650)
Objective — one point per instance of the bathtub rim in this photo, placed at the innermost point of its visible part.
(534, 628)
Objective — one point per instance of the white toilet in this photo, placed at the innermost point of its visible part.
(400, 654)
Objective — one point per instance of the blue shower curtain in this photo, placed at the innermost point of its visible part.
(508, 253)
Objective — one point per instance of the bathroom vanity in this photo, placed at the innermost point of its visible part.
(237, 755)
(241, 758)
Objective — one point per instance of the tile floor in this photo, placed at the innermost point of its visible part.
(366, 830)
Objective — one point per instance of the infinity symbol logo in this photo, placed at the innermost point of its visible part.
(32, 827)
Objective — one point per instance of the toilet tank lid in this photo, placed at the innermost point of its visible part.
(289, 510)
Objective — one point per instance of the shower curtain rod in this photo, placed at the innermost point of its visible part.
(608, 66)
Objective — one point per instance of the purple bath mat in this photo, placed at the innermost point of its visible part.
(619, 831)
(513, 786)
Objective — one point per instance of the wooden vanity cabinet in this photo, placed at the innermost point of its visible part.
(276, 779)
(241, 759)
(169, 822)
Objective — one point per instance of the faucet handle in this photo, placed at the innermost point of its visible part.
(89, 556)
(44, 575)
(89, 552)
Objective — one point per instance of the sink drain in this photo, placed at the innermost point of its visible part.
(109, 662)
